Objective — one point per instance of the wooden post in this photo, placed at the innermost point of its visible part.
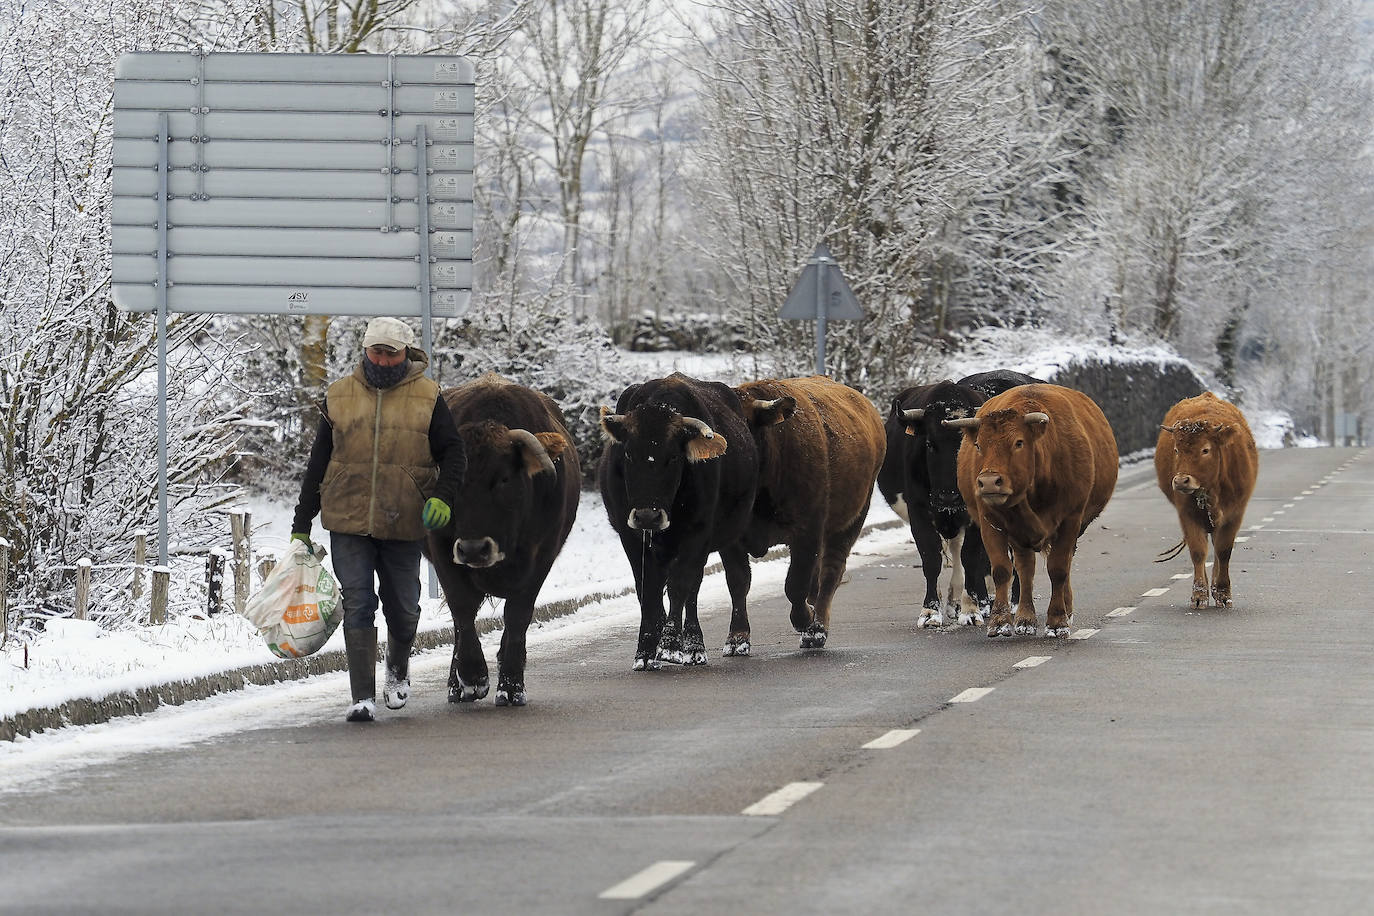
(162, 578)
(214, 581)
(83, 587)
(140, 561)
(4, 591)
(265, 567)
(241, 522)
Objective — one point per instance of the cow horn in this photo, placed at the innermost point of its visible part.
(1036, 416)
(962, 423)
(914, 414)
(702, 429)
(536, 456)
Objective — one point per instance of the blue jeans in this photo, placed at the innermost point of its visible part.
(367, 567)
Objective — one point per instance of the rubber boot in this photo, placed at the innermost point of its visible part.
(397, 688)
(360, 645)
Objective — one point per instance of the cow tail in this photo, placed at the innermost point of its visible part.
(1170, 553)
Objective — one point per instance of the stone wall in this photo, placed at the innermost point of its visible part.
(1135, 395)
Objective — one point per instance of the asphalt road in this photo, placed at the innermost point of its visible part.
(1162, 761)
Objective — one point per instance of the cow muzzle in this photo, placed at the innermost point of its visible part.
(946, 501)
(993, 488)
(650, 519)
(1185, 483)
(477, 553)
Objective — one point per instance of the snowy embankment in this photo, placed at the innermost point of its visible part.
(77, 660)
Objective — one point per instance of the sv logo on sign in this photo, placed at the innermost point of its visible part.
(298, 301)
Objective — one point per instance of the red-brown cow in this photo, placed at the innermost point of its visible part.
(1205, 461)
(820, 445)
(1038, 464)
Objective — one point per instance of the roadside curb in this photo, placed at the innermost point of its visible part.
(89, 711)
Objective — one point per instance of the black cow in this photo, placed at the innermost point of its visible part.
(518, 503)
(678, 480)
(919, 480)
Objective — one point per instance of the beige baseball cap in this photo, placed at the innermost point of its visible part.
(388, 332)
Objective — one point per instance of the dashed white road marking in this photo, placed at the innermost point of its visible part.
(1153, 592)
(650, 879)
(779, 801)
(1242, 540)
(1120, 612)
(1182, 576)
(1307, 492)
(1034, 661)
(972, 695)
(1278, 512)
(1289, 505)
(1267, 518)
(1084, 633)
(1299, 497)
(893, 738)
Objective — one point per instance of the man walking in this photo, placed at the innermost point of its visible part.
(386, 465)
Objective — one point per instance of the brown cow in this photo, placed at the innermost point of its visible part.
(820, 445)
(1205, 461)
(1037, 465)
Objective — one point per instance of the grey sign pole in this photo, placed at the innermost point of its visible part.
(422, 198)
(821, 295)
(162, 284)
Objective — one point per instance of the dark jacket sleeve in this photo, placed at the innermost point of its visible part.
(308, 506)
(447, 448)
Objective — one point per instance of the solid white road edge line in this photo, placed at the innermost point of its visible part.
(972, 695)
(779, 801)
(892, 738)
(651, 878)
(1034, 661)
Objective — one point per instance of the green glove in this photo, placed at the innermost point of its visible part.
(436, 514)
(303, 538)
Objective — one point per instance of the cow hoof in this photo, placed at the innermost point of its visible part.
(931, 619)
(736, 648)
(999, 630)
(694, 657)
(1025, 629)
(971, 620)
(671, 656)
(468, 693)
(511, 696)
(647, 664)
(1056, 632)
(813, 638)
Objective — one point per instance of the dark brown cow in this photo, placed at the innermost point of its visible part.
(517, 505)
(820, 445)
(1038, 464)
(1205, 461)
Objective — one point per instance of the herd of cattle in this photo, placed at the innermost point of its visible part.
(987, 471)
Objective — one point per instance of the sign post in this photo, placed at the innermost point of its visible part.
(289, 184)
(821, 295)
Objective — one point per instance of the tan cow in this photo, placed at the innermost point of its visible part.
(1037, 465)
(1206, 462)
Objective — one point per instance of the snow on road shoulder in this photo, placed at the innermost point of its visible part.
(47, 758)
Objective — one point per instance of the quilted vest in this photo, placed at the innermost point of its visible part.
(381, 470)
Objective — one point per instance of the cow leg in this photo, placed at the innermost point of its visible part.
(650, 577)
(738, 576)
(1196, 538)
(693, 642)
(1223, 542)
(1057, 563)
(1026, 621)
(467, 673)
(684, 581)
(929, 545)
(974, 561)
(800, 586)
(510, 658)
(999, 557)
(831, 574)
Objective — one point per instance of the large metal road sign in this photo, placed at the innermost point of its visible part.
(295, 183)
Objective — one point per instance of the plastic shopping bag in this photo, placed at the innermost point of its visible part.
(296, 610)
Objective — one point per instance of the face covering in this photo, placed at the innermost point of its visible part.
(384, 376)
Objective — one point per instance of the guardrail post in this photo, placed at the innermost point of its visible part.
(240, 522)
(83, 587)
(162, 579)
(214, 581)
